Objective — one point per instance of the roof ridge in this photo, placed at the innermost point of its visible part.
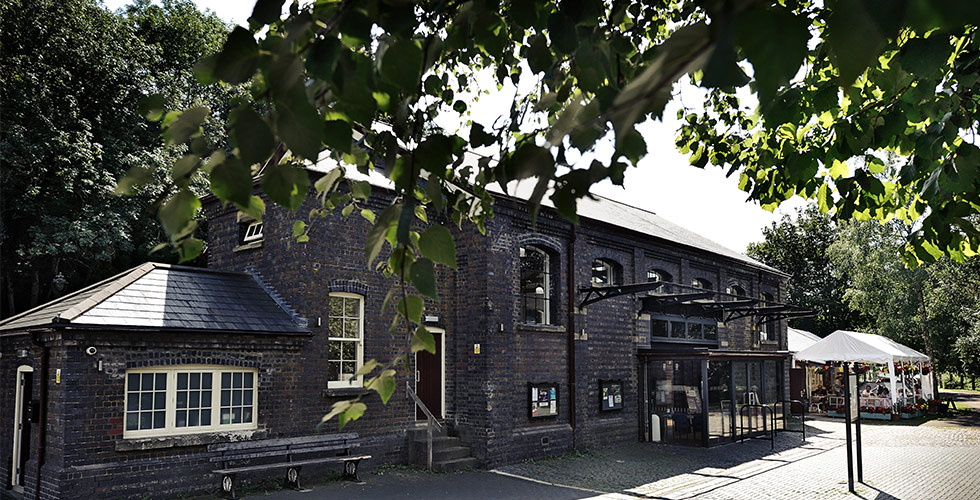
(634, 207)
(119, 282)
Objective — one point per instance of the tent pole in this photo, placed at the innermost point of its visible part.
(847, 427)
(892, 382)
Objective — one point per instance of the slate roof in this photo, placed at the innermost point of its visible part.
(600, 209)
(162, 296)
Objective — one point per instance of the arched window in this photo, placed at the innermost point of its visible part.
(765, 330)
(701, 283)
(662, 276)
(606, 272)
(535, 285)
(735, 289)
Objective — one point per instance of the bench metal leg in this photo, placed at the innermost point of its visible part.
(228, 485)
(350, 470)
(292, 478)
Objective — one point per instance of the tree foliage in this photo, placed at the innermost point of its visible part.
(929, 307)
(799, 246)
(835, 81)
(73, 75)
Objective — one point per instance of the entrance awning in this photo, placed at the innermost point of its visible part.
(672, 298)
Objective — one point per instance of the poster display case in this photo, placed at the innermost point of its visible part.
(543, 399)
(610, 395)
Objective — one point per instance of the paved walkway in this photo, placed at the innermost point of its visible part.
(937, 460)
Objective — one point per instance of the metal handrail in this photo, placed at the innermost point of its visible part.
(430, 421)
(791, 403)
(772, 416)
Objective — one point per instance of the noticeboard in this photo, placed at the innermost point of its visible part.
(543, 399)
(610, 395)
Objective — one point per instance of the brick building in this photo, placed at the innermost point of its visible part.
(551, 338)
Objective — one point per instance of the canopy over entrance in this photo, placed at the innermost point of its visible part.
(846, 346)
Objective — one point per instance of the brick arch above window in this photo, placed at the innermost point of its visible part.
(347, 286)
(545, 243)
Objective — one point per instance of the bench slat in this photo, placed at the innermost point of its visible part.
(246, 455)
(284, 465)
(262, 443)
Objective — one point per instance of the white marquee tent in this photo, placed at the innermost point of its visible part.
(855, 347)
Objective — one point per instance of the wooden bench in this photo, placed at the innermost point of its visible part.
(288, 453)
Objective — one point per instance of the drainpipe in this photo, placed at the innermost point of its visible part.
(43, 413)
(571, 330)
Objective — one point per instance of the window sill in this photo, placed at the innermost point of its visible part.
(538, 327)
(769, 342)
(204, 438)
(331, 392)
(252, 245)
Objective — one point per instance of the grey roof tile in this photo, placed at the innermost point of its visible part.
(164, 296)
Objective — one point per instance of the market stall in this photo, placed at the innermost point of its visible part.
(898, 382)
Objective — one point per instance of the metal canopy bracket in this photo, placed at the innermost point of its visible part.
(692, 299)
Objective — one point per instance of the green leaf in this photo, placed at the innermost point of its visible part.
(347, 210)
(237, 61)
(435, 152)
(178, 211)
(255, 208)
(561, 29)
(423, 276)
(184, 166)
(839, 169)
(360, 190)
(854, 38)
(436, 243)
(251, 134)
(322, 58)
(539, 57)
(401, 64)
(824, 199)
(479, 137)
(151, 107)
(410, 308)
(367, 367)
(180, 128)
(337, 135)
(722, 69)
(232, 181)
(423, 340)
(286, 185)
(327, 182)
(337, 408)
(189, 249)
(353, 412)
(298, 124)
(773, 64)
(633, 146)
(376, 236)
(383, 384)
(368, 215)
(299, 227)
(530, 160)
(925, 57)
(134, 178)
(265, 12)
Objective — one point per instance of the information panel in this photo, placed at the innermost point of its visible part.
(611, 395)
(543, 399)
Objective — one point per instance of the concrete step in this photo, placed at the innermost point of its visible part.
(438, 442)
(454, 465)
(449, 453)
(420, 433)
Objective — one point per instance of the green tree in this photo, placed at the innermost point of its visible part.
(928, 307)
(380, 71)
(72, 77)
(799, 246)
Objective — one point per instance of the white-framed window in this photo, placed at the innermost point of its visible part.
(175, 400)
(655, 275)
(765, 332)
(535, 285)
(253, 232)
(345, 339)
(735, 289)
(606, 272)
(701, 283)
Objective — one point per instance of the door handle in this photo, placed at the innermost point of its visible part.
(417, 376)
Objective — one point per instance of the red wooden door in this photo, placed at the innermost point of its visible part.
(428, 382)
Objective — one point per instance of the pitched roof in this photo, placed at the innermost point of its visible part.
(163, 296)
(600, 209)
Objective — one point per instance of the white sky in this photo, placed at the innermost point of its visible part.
(702, 200)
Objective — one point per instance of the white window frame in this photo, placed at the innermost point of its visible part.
(357, 381)
(170, 428)
(546, 282)
(253, 232)
(764, 329)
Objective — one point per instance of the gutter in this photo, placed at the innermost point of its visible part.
(43, 413)
(570, 259)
